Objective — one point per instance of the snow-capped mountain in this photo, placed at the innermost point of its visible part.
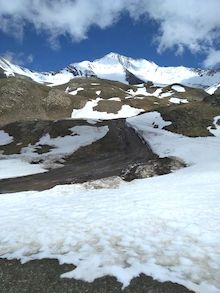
(49, 78)
(114, 66)
(117, 67)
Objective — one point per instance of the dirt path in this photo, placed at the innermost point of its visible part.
(44, 276)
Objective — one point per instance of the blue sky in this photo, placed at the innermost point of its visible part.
(42, 44)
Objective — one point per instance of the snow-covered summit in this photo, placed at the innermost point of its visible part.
(114, 66)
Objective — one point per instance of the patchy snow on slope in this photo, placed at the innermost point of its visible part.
(15, 167)
(178, 101)
(115, 99)
(216, 130)
(75, 92)
(63, 146)
(165, 95)
(178, 88)
(88, 112)
(81, 136)
(158, 93)
(5, 138)
(143, 91)
(98, 93)
(166, 227)
(58, 148)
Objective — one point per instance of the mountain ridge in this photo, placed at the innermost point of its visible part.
(114, 66)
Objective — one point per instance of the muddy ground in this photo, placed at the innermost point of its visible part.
(44, 276)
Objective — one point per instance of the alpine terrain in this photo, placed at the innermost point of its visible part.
(109, 178)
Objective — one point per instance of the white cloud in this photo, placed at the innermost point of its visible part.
(212, 59)
(18, 58)
(192, 24)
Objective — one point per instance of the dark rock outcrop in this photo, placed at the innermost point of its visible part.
(131, 78)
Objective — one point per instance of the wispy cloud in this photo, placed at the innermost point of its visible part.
(185, 24)
(213, 58)
(18, 58)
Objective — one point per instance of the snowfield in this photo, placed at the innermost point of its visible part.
(166, 227)
(178, 101)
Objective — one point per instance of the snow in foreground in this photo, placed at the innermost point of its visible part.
(166, 227)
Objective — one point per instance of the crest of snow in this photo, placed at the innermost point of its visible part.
(5, 138)
(87, 112)
(166, 227)
(15, 167)
(178, 101)
(75, 92)
(115, 99)
(216, 123)
(98, 93)
(178, 88)
(212, 89)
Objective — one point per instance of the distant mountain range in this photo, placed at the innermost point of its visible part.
(118, 68)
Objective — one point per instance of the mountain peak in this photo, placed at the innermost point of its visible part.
(111, 55)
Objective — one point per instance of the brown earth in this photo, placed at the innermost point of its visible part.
(43, 276)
